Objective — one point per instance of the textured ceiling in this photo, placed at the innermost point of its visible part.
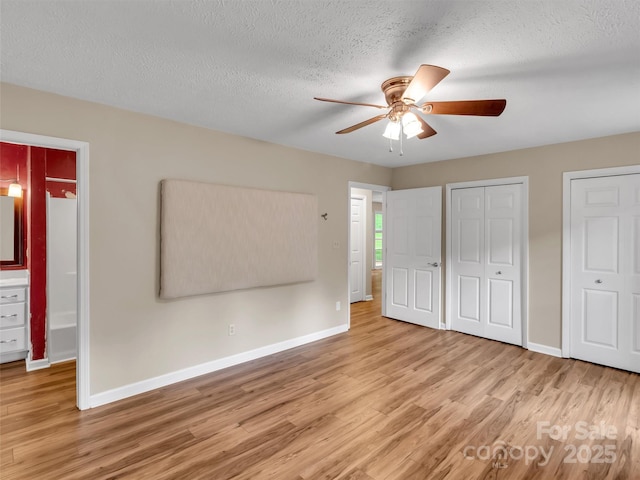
(569, 69)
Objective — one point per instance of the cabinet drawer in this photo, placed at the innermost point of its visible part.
(12, 295)
(12, 340)
(11, 315)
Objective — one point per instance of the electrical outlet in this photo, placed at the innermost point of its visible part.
(336, 245)
(338, 306)
(232, 329)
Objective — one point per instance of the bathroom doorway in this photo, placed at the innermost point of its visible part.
(80, 152)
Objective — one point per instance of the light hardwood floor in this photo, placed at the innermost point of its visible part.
(387, 400)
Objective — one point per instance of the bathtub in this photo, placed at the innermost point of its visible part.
(61, 344)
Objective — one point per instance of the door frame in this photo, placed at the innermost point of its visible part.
(567, 177)
(524, 274)
(363, 246)
(82, 177)
(365, 186)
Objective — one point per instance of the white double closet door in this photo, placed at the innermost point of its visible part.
(486, 261)
(605, 270)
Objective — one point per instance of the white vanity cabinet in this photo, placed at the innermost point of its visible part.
(14, 316)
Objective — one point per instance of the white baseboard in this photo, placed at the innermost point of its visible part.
(368, 298)
(37, 364)
(539, 348)
(132, 389)
(66, 357)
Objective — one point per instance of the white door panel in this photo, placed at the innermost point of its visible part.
(467, 259)
(636, 241)
(357, 246)
(634, 278)
(605, 274)
(500, 303)
(469, 241)
(423, 283)
(400, 287)
(486, 244)
(635, 322)
(413, 255)
(600, 326)
(469, 300)
(503, 240)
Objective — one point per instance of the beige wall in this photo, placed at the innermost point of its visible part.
(134, 335)
(544, 166)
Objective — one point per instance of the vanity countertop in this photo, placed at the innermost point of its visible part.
(14, 278)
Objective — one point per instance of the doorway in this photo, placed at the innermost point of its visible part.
(361, 260)
(81, 150)
(601, 273)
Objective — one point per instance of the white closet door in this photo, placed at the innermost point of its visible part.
(486, 262)
(503, 247)
(412, 263)
(605, 270)
(468, 259)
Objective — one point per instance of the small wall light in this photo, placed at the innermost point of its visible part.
(15, 190)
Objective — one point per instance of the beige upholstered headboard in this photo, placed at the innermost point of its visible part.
(216, 238)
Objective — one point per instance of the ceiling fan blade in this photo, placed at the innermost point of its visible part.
(362, 124)
(487, 108)
(427, 77)
(427, 131)
(349, 103)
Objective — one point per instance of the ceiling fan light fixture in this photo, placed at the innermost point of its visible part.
(392, 132)
(410, 125)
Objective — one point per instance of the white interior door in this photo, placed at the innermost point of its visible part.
(605, 270)
(467, 260)
(357, 247)
(486, 261)
(413, 255)
(503, 267)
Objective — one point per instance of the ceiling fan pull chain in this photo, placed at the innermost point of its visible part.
(401, 132)
(390, 145)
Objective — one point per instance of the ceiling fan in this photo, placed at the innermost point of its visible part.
(402, 95)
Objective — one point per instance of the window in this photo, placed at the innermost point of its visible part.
(377, 241)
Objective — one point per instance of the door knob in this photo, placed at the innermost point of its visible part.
(435, 264)
(598, 281)
(499, 272)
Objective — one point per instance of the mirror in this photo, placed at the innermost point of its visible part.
(7, 209)
(11, 241)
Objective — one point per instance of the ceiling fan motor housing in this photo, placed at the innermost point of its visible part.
(393, 88)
